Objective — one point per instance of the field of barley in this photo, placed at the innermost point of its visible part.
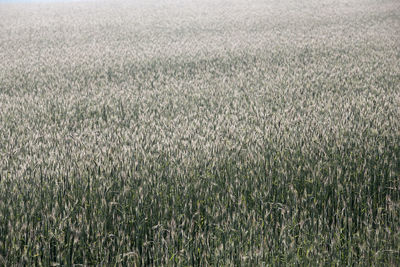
(200, 133)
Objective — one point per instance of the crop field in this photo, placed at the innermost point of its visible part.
(200, 133)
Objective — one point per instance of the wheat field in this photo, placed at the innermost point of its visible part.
(200, 133)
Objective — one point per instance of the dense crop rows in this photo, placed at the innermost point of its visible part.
(200, 133)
